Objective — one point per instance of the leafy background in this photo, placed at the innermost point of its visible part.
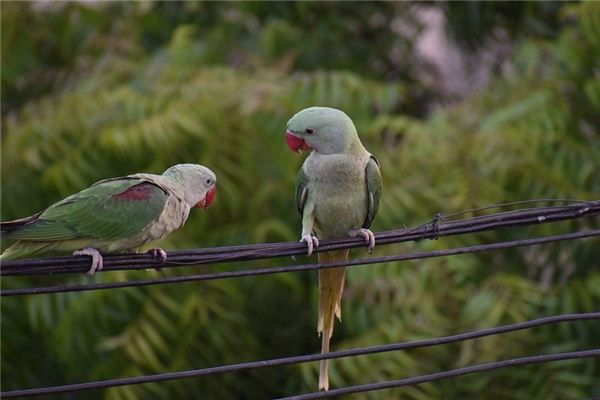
(106, 89)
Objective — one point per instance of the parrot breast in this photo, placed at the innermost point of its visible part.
(338, 190)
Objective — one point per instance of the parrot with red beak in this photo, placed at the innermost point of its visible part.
(114, 215)
(337, 193)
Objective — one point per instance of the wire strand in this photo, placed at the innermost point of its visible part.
(515, 203)
(416, 380)
(302, 359)
(297, 268)
(434, 229)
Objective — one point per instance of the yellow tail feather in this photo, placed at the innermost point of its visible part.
(331, 287)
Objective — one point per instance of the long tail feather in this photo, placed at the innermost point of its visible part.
(331, 287)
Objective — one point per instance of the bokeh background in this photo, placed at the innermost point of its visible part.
(464, 104)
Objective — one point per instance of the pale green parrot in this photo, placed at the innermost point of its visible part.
(114, 215)
(337, 193)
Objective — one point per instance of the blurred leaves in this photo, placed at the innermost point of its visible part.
(215, 84)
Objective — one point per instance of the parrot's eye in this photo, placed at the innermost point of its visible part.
(309, 131)
(208, 181)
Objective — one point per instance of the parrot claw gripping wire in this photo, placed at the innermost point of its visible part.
(312, 242)
(158, 253)
(97, 261)
(367, 235)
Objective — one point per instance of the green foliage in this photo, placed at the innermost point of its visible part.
(472, 23)
(530, 134)
(77, 39)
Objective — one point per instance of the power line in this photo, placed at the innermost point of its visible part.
(305, 358)
(297, 268)
(437, 228)
(514, 203)
(415, 380)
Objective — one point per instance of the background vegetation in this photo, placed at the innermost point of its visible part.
(106, 89)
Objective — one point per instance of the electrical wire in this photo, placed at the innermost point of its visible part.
(297, 268)
(438, 227)
(306, 358)
(453, 373)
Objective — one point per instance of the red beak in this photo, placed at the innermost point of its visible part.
(208, 199)
(295, 143)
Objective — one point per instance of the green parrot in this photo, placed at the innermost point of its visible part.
(337, 193)
(114, 215)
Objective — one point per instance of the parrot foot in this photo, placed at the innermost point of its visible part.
(158, 253)
(311, 241)
(97, 260)
(367, 235)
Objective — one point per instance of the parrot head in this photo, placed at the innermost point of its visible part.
(322, 129)
(199, 183)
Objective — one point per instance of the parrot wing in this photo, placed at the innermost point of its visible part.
(301, 190)
(373, 180)
(108, 210)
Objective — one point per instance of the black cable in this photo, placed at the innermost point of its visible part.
(296, 268)
(415, 380)
(434, 229)
(302, 359)
(515, 203)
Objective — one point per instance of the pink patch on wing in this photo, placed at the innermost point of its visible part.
(143, 191)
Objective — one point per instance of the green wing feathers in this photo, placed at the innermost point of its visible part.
(107, 210)
(374, 186)
(301, 190)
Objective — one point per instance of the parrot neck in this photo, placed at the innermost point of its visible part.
(354, 147)
(177, 178)
(340, 143)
